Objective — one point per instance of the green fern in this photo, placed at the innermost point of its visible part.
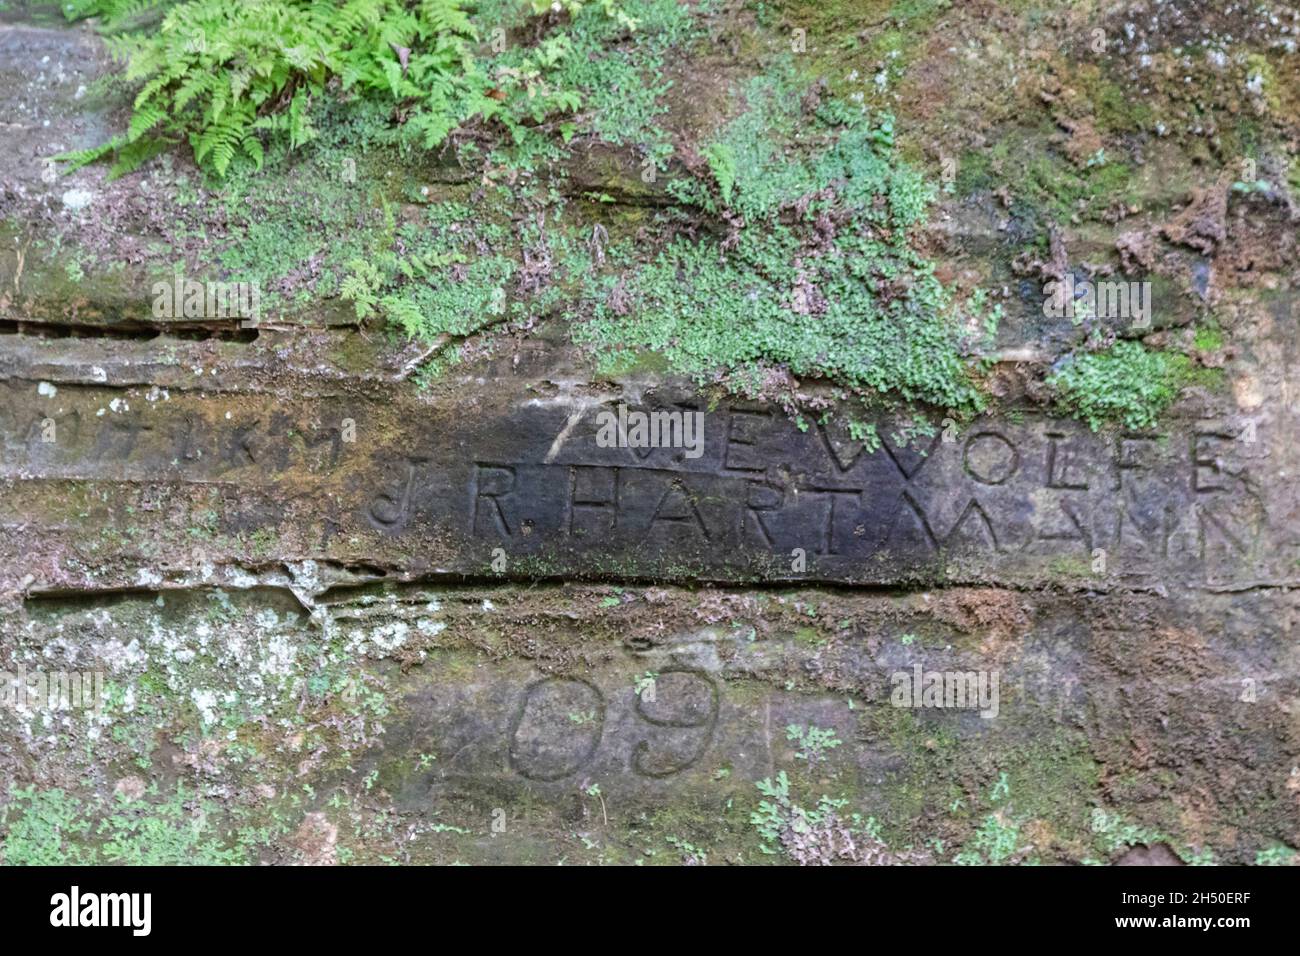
(722, 163)
(230, 78)
(115, 14)
(361, 286)
(84, 157)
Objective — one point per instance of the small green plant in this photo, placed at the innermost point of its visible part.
(52, 827)
(772, 814)
(1112, 833)
(691, 854)
(815, 743)
(995, 842)
(820, 835)
(864, 432)
(1255, 186)
(46, 829)
(167, 834)
(1001, 789)
(434, 278)
(593, 790)
(1128, 384)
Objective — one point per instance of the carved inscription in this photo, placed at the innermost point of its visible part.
(147, 434)
(557, 728)
(559, 725)
(992, 491)
(858, 503)
(391, 509)
(685, 704)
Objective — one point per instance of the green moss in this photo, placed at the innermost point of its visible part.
(810, 636)
(866, 35)
(716, 823)
(1259, 68)
(629, 362)
(1117, 109)
(974, 172)
(1051, 777)
(1070, 567)
(622, 72)
(1052, 184)
(1209, 338)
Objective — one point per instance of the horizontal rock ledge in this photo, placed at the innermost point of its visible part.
(112, 487)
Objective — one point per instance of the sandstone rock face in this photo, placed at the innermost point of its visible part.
(336, 617)
(476, 616)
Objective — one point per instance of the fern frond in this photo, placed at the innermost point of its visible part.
(143, 120)
(134, 155)
(84, 157)
(234, 77)
(193, 86)
(252, 146)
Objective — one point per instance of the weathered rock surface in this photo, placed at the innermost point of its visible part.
(354, 619)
